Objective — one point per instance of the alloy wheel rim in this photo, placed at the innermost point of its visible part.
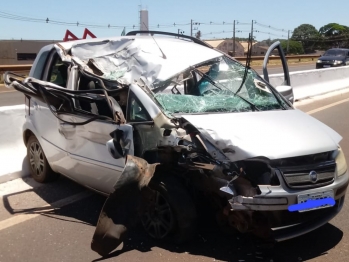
(36, 158)
(158, 219)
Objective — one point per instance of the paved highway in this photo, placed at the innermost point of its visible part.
(10, 97)
(56, 221)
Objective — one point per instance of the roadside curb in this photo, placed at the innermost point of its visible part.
(12, 149)
(13, 176)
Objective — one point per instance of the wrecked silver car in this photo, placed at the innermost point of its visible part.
(157, 121)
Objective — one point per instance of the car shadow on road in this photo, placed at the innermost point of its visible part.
(210, 241)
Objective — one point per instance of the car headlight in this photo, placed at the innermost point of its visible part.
(341, 162)
(338, 62)
(319, 61)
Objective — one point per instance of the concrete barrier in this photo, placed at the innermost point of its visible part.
(315, 82)
(13, 162)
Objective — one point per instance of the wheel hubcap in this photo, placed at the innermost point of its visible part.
(158, 219)
(36, 158)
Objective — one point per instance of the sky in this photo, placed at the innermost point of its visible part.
(215, 17)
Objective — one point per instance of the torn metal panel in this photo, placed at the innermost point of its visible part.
(121, 209)
(73, 78)
(129, 58)
(258, 203)
(64, 101)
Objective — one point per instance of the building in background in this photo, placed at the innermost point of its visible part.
(15, 52)
(227, 46)
(258, 48)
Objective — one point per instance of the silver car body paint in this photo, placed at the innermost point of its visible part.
(271, 134)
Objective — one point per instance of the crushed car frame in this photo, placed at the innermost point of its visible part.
(155, 121)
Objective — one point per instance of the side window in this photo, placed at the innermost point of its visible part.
(136, 111)
(58, 72)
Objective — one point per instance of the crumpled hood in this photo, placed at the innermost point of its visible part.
(271, 134)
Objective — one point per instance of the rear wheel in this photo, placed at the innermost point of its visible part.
(170, 212)
(39, 168)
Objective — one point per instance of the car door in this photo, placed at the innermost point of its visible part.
(285, 87)
(44, 121)
(90, 162)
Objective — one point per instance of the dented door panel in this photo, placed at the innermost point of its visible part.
(92, 165)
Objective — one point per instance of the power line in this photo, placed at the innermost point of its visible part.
(47, 20)
(56, 22)
(271, 27)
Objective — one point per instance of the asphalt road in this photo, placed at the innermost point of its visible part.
(56, 221)
(10, 97)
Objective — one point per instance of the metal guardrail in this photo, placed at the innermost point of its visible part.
(14, 68)
(19, 69)
(289, 57)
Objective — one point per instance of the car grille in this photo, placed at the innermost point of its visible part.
(309, 176)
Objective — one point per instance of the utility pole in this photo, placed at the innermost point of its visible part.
(252, 31)
(191, 27)
(234, 40)
(288, 42)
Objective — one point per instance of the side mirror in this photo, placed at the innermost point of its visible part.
(114, 149)
(114, 145)
(287, 92)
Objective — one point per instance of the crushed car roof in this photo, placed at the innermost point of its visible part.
(128, 58)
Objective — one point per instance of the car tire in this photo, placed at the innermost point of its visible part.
(40, 169)
(174, 203)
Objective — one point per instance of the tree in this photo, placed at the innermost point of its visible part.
(333, 29)
(198, 34)
(334, 35)
(295, 47)
(304, 32)
(307, 35)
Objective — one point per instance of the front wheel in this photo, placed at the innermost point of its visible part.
(170, 211)
(39, 167)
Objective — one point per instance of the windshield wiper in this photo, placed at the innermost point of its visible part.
(253, 106)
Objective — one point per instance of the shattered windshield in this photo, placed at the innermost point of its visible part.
(216, 86)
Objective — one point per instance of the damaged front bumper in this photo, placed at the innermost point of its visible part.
(274, 202)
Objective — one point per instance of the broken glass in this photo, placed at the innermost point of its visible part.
(215, 86)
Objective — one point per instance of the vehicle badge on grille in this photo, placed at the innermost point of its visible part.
(313, 176)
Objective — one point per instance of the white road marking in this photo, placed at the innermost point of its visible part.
(8, 91)
(327, 106)
(17, 219)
